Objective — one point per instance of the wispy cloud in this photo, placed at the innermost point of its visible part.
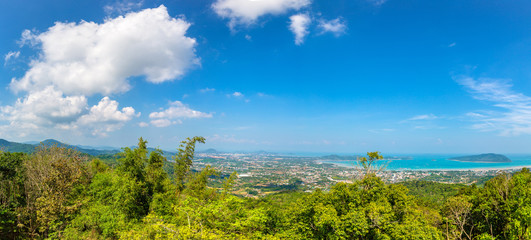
(423, 117)
(382, 130)
(11, 55)
(229, 139)
(451, 45)
(299, 26)
(317, 142)
(205, 90)
(425, 121)
(263, 95)
(336, 26)
(122, 7)
(514, 116)
(237, 94)
(28, 38)
(377, 2)
(475, 115)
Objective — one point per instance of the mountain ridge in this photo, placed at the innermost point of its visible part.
(9, 146)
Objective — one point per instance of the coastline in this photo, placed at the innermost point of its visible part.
(478, 169)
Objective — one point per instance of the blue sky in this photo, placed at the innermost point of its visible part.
(282, 75)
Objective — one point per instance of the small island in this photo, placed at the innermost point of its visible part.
(483, 158)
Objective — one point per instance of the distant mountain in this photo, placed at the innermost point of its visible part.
(53, 142)
(89, 150)
(167, 154)
(29, 148)
(484, 158)
(15, 147)
(210, 150)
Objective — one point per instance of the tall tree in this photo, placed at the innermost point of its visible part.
(12, 198)
(183, 160)
(132, 161)
(55, 178)
(154, 172)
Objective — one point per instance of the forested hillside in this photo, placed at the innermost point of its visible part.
(30, 148)
(59, 193)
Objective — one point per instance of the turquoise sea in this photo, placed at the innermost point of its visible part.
(441, 162)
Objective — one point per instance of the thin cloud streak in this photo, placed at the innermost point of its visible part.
(423, 117)
(513, 120)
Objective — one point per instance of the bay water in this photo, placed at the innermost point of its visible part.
(441, 162)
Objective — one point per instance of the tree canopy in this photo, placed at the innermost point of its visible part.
(58, 193)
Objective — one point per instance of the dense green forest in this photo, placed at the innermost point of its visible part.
(59, 193)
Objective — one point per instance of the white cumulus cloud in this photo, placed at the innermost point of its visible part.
(88, 58)
(299, 26)
(174, 114)
(48, 108)
(107, 111)
(106, 117)
(246, 12)
(78, 60)
(336, 26)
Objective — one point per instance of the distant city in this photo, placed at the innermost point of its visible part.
(262, 173)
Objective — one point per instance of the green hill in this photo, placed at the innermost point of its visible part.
(29, 148)
(484, 158)
(15, 147)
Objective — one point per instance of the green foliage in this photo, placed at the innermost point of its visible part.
(56, 180)
(98, 166)
(369, 165)
(155, 174)
(197, 183)
(132, 161)
(112, 207)
(366, 209)
(16, 147)
(229, 182)
(56, 193)
(457, 210)
(431, 194)
(12, 177)
(499, 210)
(183, 160)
